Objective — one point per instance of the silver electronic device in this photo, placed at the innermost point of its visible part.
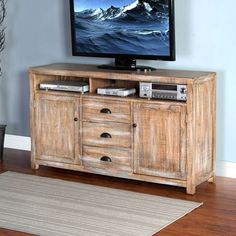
(113, 91)
(176, 92)
(65, 85)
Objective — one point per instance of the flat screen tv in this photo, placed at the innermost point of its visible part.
(123, 29)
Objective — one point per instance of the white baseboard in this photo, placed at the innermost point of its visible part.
(17, 142)
(225, 169)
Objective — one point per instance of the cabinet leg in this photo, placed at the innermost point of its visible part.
(34, 166)
(191, 189)
(212, 179)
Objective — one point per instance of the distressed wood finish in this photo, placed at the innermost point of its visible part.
(120, 159)
(106, 143)
(201, 140)
(173, 143)
(191, 145)
(111, 172)
(205, 131)
(98, 83)
(160, 140)
(91, 71)
(57, 128)
(116, 111)
(104, 134)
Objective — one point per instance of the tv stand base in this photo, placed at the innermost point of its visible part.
(137, 68)
(152, 140)
(126, 64)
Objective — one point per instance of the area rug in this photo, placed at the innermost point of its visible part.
(45, 206)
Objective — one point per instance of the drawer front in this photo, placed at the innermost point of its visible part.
(110, 111)
(105, 134)
(109, 159)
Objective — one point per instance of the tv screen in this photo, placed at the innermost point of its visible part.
(138, 29)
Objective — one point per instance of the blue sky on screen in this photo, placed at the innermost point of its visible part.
(81, 5)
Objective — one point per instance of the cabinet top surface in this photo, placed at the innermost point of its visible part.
(65, 69)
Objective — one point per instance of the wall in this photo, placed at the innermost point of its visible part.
(38, 33)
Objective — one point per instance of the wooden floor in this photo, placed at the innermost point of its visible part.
(216, 217)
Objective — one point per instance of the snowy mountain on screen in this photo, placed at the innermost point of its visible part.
(140, 28)
(139, 8)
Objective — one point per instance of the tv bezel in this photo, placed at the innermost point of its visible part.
(170, 57)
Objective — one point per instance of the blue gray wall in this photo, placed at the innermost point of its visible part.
(38, 33)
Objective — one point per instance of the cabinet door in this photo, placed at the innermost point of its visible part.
(57, 128)
(160, 140)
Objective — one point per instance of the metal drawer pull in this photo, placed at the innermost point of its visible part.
(106, 158)
(105, 111)
(105, 135)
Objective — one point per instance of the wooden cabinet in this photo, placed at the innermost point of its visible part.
(57, 128)
(100, 110)
(106, 136)
(107, 160)
(159, 141)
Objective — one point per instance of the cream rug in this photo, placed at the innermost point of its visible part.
(45, 206)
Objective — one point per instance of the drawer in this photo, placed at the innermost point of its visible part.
(107, 158)
(110, 111)
(106, 134)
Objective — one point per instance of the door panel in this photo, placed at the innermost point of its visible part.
(160, 140)
(57, 131)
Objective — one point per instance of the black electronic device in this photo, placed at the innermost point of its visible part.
(123, 29)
